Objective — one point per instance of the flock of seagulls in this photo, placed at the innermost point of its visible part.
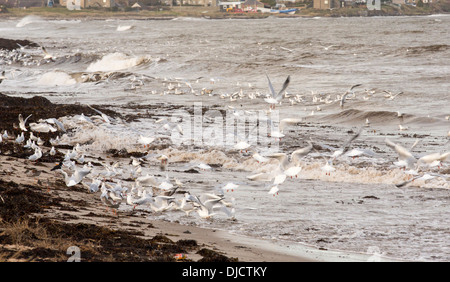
(157, 193)
(163, 193)
(25, 57)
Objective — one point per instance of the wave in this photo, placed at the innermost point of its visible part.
(124, 27)
(354, 116)
(358, 116)
(118, 61)
(78, 58)
(27, 20)
(56, 78)
(428, 49)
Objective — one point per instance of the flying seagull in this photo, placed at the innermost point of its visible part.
(276, 98)
(346, 94)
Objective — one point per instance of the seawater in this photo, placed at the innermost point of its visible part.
(357, 207)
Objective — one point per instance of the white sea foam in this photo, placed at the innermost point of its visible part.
(124, 27)
(118, 61)
(56, 78)
(27, 20)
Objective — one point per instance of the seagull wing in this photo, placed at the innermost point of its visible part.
(343, 98)
(354, 86)
(285, 85)
(302, 151)
(349, 141)
(272, 91)
(104, 116)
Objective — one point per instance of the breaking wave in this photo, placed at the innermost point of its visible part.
(56, 78)
(27, 20)
(118, 61)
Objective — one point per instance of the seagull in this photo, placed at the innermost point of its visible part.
(22, 122)
(274, 190)
(328, 47)
(403, 153)
(346, 94)
(345, 147)
(147, 180)
(104, 116)
(47, 55)
(328, 167)
(164, 161)
(20, 138)
(243, 143)
(76, 177)
(37, 155)
(259, 158)
(42, 127)
(282, 125)
(435, 158)
(390, 96)
(106, 200)
(93, 186)
(275, 98)
(83, 118)
(54, 121)
(144, 199)
(145, 140)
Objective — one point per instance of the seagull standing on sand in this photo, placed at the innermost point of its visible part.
(76, 177)
(37, 155)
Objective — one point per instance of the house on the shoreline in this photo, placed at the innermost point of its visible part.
(223, 6)
(335, 4)
(252, 5)
(323, 4)
(23, 3)
(88, 3)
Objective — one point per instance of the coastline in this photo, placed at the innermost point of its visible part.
(83, 209)
(35, 199)
(61, 13)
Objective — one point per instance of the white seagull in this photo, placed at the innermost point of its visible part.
(350, 91)
(275, 98)
(22, 122)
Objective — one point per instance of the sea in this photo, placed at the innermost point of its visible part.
(211, 77)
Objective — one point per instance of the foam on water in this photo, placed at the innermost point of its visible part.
(28, 20)
(357, 206)
(118, 61)
(56, 78)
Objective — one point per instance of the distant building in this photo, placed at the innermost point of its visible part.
(87, 3)
(252, 4)
(199, 2)
(23, 3)
(223, 6)
(100, 3)
(323, 4)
